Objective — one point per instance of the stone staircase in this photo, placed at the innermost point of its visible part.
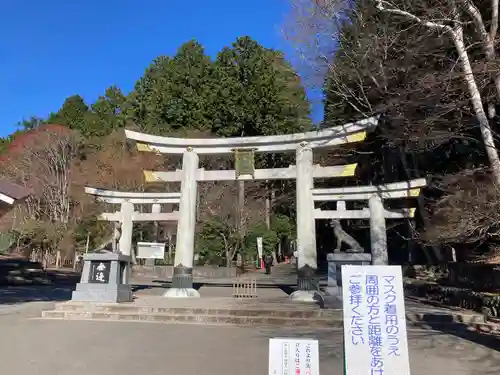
(225, 311)
(284, 274)
(271, 307)
(255, 312)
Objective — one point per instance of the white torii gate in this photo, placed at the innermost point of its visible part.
(127, 215)
(304, 172)
(376, 212)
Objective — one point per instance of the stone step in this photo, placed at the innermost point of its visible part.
(419, 321)
(268, 311)
(194, 319)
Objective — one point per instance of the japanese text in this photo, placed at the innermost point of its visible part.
(355, 301)
(286, 353)
(391, 317)
(374, 324)
(308, 359)
(297, 359)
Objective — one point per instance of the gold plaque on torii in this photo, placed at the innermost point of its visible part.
(244, 161)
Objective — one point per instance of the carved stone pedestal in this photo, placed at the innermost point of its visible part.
(105, 278)
(335, 263)
(182, 284)
(307, 285)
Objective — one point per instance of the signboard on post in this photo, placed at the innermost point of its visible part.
(375, 340)
(291, 356)
(150, 250)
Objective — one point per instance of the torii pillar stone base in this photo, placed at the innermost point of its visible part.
(182, 293)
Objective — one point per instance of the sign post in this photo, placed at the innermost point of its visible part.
(375, 340)
(289, 356)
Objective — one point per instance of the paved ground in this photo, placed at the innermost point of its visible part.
(39, 347)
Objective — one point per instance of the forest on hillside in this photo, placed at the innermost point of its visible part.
(246, 90)
(438, 103)
(431, 68)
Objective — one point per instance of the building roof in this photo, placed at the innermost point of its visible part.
(12, 193)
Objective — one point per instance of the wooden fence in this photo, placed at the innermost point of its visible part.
(244, 288)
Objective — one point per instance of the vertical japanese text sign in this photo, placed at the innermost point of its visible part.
(375, 340)
(291, 356)
(259, 246)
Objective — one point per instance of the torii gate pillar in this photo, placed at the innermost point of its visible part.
(182, 280)
(306, 227)
(127, 227)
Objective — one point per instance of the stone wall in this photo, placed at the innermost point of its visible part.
(166, 272)
(481, 277)
(485, 303)
(476, 276)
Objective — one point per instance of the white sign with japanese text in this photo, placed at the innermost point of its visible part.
(290, 356)
(375, 339)
(150, 250)
(259, 246)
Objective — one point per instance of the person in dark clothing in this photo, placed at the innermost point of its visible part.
(268, 263)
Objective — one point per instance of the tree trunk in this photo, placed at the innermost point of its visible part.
(132, 253)
(457, 35)
(169, 235)
(488, 41)
(268, 206)
(241, 208)
(421, 208)
(484, 125)
(270, 196)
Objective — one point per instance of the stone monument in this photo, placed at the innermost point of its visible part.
(105, 278)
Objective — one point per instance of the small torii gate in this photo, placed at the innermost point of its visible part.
(127, 215)
(376, 212)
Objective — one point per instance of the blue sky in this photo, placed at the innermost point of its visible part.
(51, 49)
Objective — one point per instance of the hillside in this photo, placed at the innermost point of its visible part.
(248, 90)
(188, 95)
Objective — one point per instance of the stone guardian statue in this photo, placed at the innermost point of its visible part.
(343, 237)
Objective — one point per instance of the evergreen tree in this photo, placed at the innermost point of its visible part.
(33, 123)
(174, 93)
(108, 113)
(72, 114)
(258, 92)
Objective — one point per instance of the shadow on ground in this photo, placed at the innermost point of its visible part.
(10, 295)
(22, 271)
(61, 286)
(286, 288)
(466, 352)
(24, 281)
(463, 331)
(34, 293)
